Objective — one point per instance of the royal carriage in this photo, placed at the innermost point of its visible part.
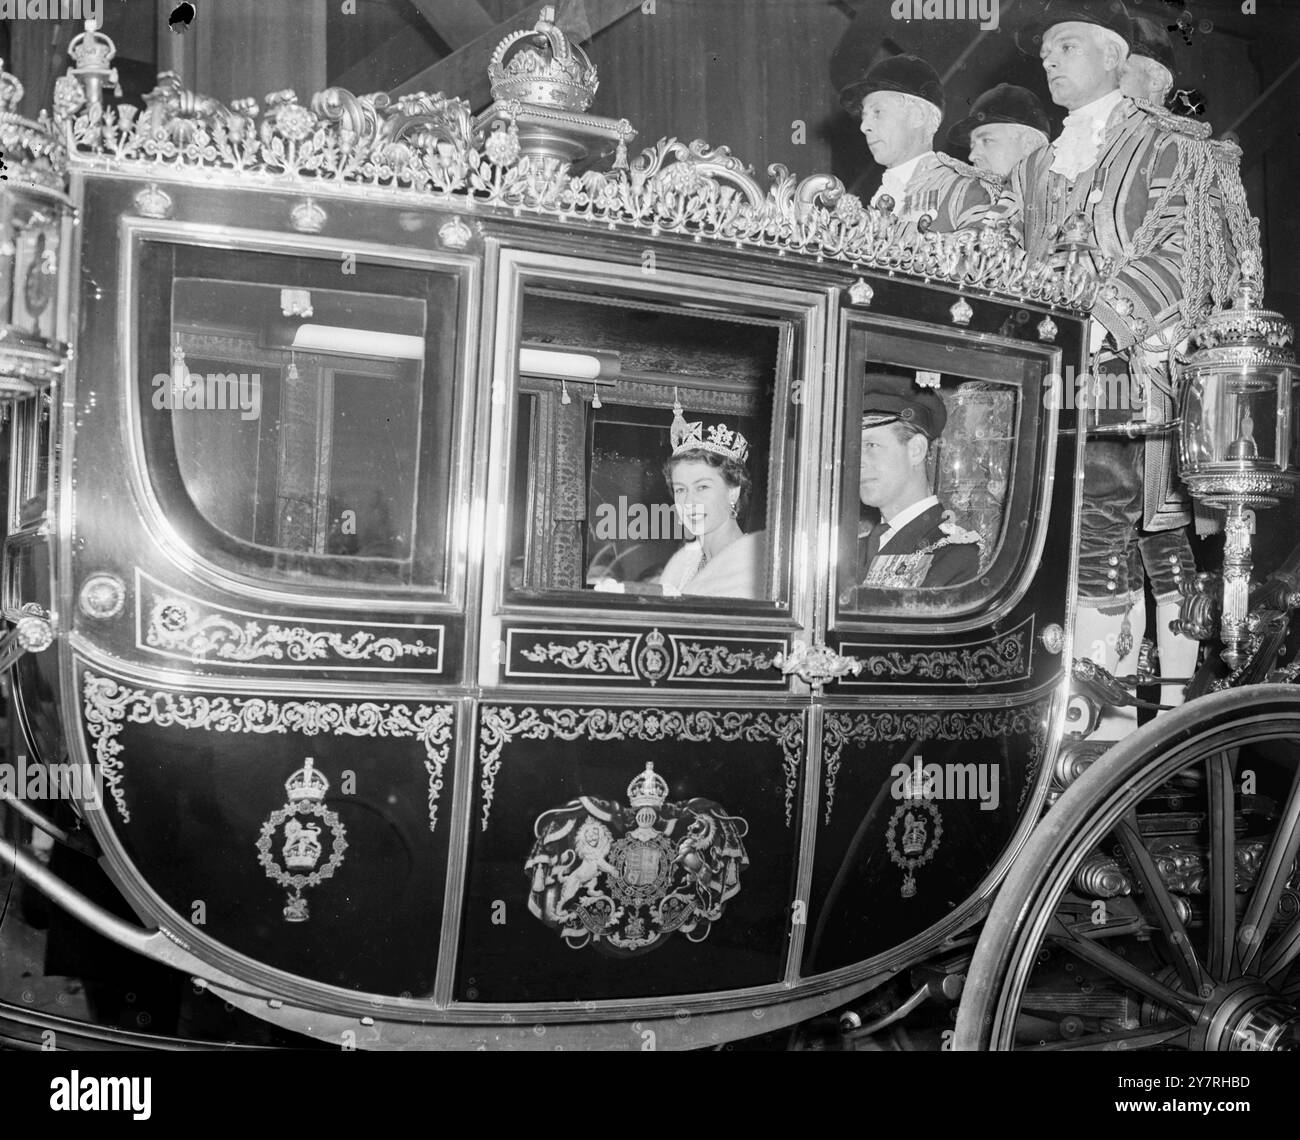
(336, 511)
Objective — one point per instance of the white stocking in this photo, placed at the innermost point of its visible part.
(1178, 653)
(1098, 636)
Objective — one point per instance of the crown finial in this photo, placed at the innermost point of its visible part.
(93, 53)
(541, 66)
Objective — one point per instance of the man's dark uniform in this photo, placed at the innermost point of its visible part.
(925, 552)
(929, 550)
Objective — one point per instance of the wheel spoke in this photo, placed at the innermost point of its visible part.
(1222, 862)
(1179, 1005)
(1144, 1037)
(1283, 952)
(1271, 881)
(1157, 894)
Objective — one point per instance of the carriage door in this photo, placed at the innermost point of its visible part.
(640, 756)
(949, 632)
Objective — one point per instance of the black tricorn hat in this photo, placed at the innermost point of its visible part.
(1004, 103)
(890, 398)
(908, 74)
(1111, 14)
(1151, 39)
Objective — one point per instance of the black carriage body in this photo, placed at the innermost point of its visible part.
(381, 786)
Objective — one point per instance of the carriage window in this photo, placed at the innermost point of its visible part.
(301, 429)
(939, 489)
(650, 439)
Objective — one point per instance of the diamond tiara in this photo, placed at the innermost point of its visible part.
(721, 439)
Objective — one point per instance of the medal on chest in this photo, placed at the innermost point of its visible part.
(897, 571)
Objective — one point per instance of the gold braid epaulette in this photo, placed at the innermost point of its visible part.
(989, 179)
(1177, 124)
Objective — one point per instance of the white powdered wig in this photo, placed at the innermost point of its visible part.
(933, 116)
(1104, 37)
(1031, 139)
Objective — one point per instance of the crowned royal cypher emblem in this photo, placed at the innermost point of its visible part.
(301, 849)
(626, 878)
(914, 829)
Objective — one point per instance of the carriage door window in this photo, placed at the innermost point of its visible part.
(653, 442)
(940, 496)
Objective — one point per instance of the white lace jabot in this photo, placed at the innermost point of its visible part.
(1077, 146)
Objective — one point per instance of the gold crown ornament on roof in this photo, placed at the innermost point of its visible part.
(721, 439)
(30, 149)
(541, 66)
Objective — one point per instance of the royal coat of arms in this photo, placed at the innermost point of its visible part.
(625, 878)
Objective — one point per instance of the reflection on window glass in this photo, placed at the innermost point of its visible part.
(306, 428)
(30, 435)
(655, 476)
(934, 470)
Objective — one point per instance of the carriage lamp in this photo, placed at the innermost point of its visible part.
(1236, 445)
(33, 209)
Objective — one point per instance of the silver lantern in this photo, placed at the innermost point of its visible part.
(1237, 448)
(34, 214)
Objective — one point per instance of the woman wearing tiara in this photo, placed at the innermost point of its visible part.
(710, 488)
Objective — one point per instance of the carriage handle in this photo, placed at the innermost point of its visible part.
(31, 633)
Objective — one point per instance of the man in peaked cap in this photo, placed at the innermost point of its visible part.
(1114, 162)
(900, 102)
(1005, 124)
(1149, 73)
(912, 544)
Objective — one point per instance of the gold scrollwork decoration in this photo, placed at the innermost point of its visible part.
(842, 728)
(179, 626)
(108, 705)
(1002, 659)
(696, 660)
(499, 724)
(608, 656)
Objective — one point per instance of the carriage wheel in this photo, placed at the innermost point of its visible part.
(1157, 905)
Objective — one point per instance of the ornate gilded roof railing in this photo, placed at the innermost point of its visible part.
(427, 144)
(431, 145)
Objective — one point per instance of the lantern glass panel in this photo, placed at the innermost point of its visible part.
(1288, 425)
(29, 245)
(1232, 416)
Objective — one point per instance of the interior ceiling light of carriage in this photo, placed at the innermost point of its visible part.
(337, 340)
(569, 363)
